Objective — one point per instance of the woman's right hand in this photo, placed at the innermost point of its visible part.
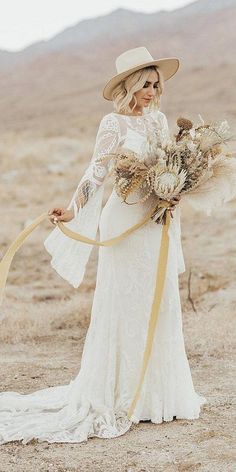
(60, 214)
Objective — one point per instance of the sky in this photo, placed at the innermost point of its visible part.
(23, 22)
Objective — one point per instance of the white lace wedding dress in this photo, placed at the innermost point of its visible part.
(95, 403)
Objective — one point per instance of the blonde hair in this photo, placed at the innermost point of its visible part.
(124, 91)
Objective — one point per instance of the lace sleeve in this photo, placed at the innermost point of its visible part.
(107, 141)
(69, 257)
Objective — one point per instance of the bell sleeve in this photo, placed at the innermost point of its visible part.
(70, 257)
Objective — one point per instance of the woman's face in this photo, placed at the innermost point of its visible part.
(149, 90)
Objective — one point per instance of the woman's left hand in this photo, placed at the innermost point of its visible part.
(174, 202)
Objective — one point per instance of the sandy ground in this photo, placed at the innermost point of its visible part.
(46, 320)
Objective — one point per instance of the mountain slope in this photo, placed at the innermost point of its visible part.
(57, 84)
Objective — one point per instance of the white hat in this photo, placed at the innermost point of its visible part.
(135, 59)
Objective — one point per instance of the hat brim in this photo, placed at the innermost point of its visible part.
(168, 67)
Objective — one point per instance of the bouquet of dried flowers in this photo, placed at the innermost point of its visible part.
(192, 162)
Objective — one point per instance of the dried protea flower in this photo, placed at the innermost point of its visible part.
(127, 166)
(184, 123)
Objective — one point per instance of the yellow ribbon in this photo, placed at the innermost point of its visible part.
(159, 287)
(160, 277)
(17, 243)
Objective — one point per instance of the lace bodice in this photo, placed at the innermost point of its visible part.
(116, 130)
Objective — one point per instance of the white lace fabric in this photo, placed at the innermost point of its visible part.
(96, 402)
(107, 141)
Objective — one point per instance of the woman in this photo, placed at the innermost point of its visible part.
(97, 401)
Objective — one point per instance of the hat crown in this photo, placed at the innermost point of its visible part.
(132, 58)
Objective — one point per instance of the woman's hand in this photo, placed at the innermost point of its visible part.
(174, 202)
(60, 214)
